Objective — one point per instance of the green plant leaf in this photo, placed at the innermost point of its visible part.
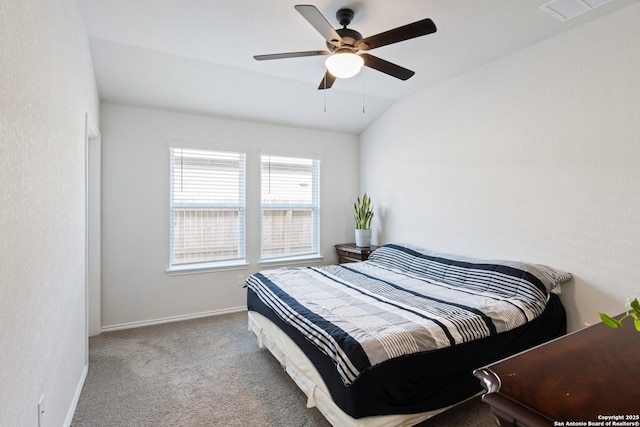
(636, 323)
(610, 321)
(636, 305)
(363, 212)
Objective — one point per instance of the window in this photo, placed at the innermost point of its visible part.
(290, 207)
(207, 208)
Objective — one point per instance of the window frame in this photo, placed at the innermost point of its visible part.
(314, 206)
(238, 262)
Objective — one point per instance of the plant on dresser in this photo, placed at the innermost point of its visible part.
(363, 214)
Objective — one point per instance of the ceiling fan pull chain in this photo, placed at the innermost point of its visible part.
(363, 90)
(324, 92)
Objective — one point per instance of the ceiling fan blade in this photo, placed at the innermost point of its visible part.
(406, 32)
(386, 67)
(327, 81)
(320, 23)
(291, 55)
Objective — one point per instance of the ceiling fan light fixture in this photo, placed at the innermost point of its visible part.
(344, 65)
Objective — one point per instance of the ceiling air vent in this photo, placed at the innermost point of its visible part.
(564, 10)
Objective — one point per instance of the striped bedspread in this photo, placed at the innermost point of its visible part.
(403, 301)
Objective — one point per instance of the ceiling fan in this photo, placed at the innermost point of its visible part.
(344, 44)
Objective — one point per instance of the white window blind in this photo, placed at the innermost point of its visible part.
(290, 206)
(207, 207)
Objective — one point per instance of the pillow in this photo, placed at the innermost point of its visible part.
(455, 269)
(551, 277)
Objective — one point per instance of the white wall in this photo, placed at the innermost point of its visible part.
(46, 86)
(135, 207)
(534, 157)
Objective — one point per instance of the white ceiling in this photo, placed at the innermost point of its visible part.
(196, 56)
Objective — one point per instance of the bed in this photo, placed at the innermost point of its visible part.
(394, 340)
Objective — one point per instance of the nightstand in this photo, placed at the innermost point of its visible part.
(349, 252)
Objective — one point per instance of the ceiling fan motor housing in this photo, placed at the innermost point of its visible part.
(349, 39)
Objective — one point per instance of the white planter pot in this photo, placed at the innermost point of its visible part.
(363, 237)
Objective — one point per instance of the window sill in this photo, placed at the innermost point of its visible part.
(277, 262)
(207, 267)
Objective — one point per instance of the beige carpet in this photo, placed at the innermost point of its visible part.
(204, 372)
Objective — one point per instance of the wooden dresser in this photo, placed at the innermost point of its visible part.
(349, 252)
(587, 378)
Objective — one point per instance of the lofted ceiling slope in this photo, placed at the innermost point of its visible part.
(196, 56)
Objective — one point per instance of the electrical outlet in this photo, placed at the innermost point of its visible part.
(240, 279)
(41, 411)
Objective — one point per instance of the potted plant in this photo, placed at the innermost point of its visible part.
(633, 311)
(363, 214)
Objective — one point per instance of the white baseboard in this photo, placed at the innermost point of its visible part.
(171, 319)
(76, 397)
